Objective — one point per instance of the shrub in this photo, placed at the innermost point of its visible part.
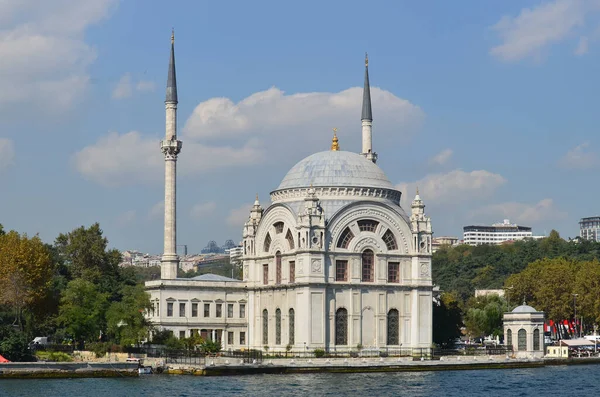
(58, 357)
(319, 353)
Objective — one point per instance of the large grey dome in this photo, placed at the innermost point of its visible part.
(335, 168)
(524, 309)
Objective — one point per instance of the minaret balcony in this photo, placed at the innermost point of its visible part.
(170, 148)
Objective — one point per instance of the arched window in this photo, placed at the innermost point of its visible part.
(536, 339)
(368, 266)
(341, 327)
(508, 337)
(345, 238)
(522, 336)
(367, 225)
(278, 268)
(267, 245)
(393, 327)
(278, 327)
(278, 227)
(390, 240)
(265, 327)
(290, 239)
(292, 325)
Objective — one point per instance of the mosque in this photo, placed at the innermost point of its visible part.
(332, 262)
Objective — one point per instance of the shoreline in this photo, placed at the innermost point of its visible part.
(49, 370)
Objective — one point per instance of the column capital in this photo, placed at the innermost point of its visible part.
(170, 148)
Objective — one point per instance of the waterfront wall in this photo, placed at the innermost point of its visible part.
(67, 370)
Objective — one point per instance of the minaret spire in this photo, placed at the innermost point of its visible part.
(170, 147)
(367, 118)
(172, 79)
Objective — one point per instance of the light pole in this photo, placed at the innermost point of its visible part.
(575, 311)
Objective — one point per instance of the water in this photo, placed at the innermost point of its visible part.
(557, 381)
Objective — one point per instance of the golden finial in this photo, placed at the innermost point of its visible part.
(334, 142)
(172, 35)
(366, 59)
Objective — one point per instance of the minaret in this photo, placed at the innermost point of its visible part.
(367, 118)
(170, 148)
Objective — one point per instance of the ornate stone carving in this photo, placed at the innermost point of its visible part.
(300, 193)
(300, 263)
(368, 241)
(351, 215)
(170, 149)
(315, 266)
(424, 269)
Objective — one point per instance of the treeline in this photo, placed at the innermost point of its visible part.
(72, 290)
(463, 269)
(544, 273)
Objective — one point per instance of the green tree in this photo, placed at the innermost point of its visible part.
(484, 315)
(126, 319)
(1, 230)
(587, 285)
(447, 320)
(26, 272)
(14, 345)
(82, 311)
(84, 253)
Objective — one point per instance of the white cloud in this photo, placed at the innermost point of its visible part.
(126, 218)
(144, 86)
(273, 113)
(453, 186)
(527, 214)
(442, 157)
(579, 158)
(582, 46)
(124, 88)
(242, 134)
(7, 153)
(200, 210)
(120, 159)
(45, 43)
(534, 29)
(238, 216)
(157, 211)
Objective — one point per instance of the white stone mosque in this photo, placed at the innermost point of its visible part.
(332, 262)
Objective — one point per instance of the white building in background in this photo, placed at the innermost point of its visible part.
(589, 228)
(447, 241)
(497, 233)
(332, 262)
(235, 255)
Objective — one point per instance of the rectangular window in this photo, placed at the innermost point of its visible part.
(207, 310)
(393, 272)
(194, 310)
(181, 334)
(242, 310)
(230, 310)
(158, 309)
(292, 272)
(242, 338)
(265, 274)
(230, 338)
(341, 270)
(169, 309)
(219, 309)
(181, 309)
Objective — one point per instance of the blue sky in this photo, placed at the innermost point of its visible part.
(489, 107)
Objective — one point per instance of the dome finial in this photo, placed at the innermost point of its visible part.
(417, 190)
(334, 142)
(366, 59)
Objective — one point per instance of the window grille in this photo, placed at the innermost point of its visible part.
(278, 267)
(536, 339)
(522, 335)
(367, 266)
(292, 272)
(341, 270)
(341, 327)
(345, 238)
(291, 324)
(265, 319)
(393, 272)
(390, 240)
(393, 327)
(367, 225)
(278, 327)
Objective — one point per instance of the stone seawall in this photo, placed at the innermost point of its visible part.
(67, 370)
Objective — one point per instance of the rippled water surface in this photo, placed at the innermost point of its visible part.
(557, 381)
